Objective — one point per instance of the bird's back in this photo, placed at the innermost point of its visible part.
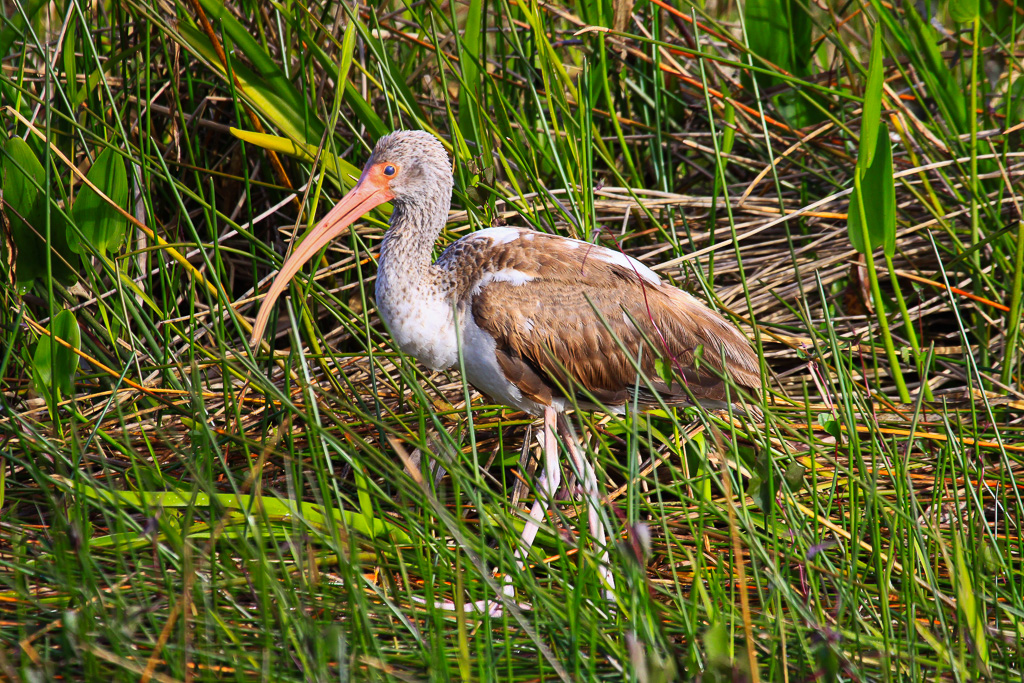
(572, 318)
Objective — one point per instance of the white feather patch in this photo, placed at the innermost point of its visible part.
(611, 256)
(509, 275)
(481, 364)
(499, 235)
(627, 262)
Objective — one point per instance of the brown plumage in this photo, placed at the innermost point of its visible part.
(582, 324)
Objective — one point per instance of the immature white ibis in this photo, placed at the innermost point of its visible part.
(542, 321)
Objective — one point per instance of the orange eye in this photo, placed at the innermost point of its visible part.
(390, 170)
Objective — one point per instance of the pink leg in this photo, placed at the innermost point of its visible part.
(588, 478)
(547, 485)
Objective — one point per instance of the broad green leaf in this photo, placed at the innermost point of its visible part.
(872, 111)
(696, 451)
(68, 50)
(470, 94)
(664, 370)
(779, 31)
(348, 46)
(700, 445)
(829, 664)
(14, 23)
(794, 476)
(718, 644)
(963, 11)
(801, 41)
(53, 364)
(762, 484)
(729, 128)
(768, 31)
(65, 361)
(365, 501)
(878, 190)
(22, 176)
(830, 423)
(101, 224)
(21, 180)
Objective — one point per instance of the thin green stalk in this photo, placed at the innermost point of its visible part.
(876, 295)
(1013, 324)
(606, 84)
(908, 324)
(980, 324)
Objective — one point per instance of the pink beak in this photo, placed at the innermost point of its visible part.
(370, 191)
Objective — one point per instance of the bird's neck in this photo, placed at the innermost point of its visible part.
(414, 296)
(408, 244)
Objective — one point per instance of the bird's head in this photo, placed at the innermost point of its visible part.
(412, 165)
(406, 167)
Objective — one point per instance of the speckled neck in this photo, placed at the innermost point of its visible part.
(413, 296)
(405, 264)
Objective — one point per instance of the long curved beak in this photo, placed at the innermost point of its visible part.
(363, 197)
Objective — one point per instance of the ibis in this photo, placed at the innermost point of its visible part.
(543, 323)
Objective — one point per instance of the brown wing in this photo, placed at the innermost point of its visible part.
(582, 309)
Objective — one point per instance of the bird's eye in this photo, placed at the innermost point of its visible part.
(390, 170)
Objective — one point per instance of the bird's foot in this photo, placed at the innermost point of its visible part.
(494, 607)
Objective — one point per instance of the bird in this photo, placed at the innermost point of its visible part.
(543, 323)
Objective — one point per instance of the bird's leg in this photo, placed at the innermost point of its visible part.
(547, 485)
(588, 479)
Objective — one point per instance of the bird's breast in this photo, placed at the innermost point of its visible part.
(421, 323)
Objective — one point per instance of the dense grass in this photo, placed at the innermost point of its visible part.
(176, 505)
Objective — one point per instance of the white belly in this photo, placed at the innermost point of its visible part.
(426, 331)
(422, 327)
(422, 323)
(484, 373)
